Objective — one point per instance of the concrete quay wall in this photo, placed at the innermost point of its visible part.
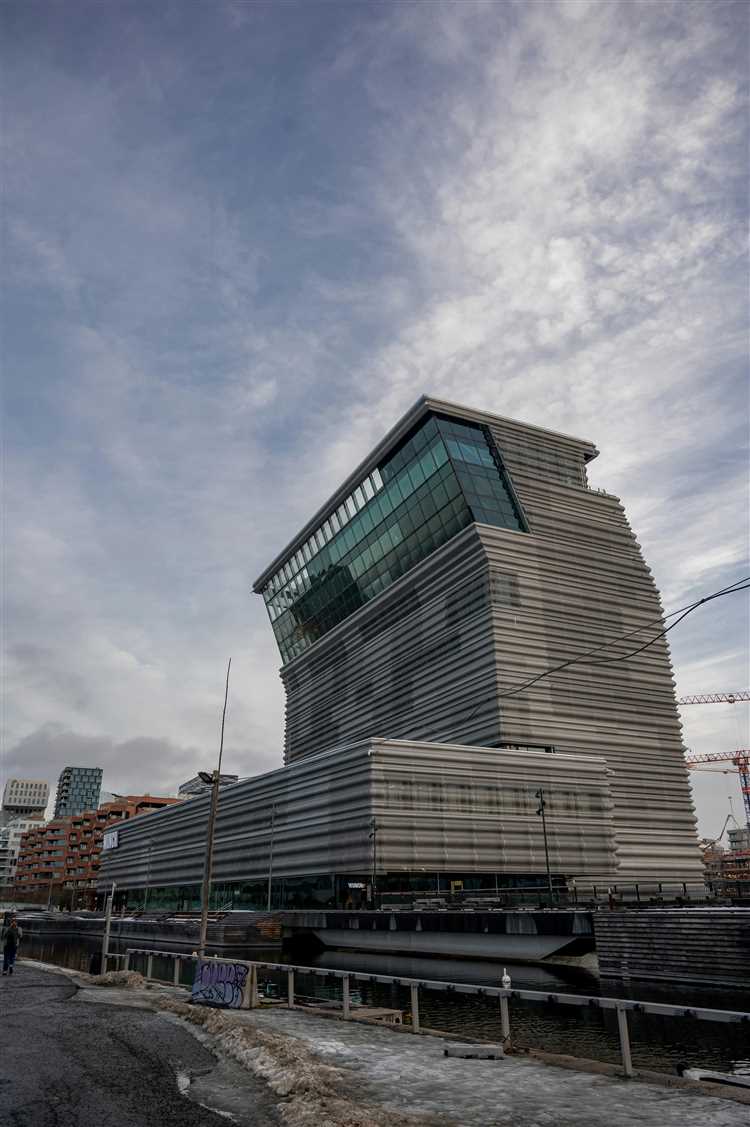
(75, 941)
(706, 946)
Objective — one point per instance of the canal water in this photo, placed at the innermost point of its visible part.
(658, 1043)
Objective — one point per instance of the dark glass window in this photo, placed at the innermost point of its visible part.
(442, 477)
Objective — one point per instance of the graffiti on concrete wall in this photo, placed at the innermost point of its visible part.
(219, 984)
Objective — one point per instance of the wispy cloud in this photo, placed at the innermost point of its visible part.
(241, 243)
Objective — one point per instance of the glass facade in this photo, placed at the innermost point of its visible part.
(78, 789)
(333, 891)
(445, 475)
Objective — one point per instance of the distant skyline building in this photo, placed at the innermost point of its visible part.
(11, 835)
(430, 597)
(23, 797)
(78, 789)
(739, 839)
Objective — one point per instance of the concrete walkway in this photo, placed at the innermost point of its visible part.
(63, 1064)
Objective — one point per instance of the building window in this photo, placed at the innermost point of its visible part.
(445, 475)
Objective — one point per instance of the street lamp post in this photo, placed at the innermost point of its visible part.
(215, 779)
(270, 858)
(541, 810)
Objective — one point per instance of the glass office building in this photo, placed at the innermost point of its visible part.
(442, 477)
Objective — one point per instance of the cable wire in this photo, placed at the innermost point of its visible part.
(682, 613)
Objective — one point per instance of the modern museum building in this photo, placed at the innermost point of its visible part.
(468, 634)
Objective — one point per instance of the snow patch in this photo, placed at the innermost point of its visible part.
(314, 1094)
(129, 978)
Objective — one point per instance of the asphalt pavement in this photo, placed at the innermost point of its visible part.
(64, 1063)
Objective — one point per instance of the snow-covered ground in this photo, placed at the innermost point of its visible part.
(411, 1074)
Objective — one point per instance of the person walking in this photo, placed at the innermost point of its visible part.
(11, 939)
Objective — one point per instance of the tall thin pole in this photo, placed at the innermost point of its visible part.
(107, 926)
(270, 858)
(542, 805)
(374, 874)
(206, 886)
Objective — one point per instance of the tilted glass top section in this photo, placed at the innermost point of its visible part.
(446, 474)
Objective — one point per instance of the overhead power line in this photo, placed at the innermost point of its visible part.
(679, 615)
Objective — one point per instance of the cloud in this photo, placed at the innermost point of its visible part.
(226, 282)
(46, 751)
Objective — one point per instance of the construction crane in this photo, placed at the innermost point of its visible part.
(715, 698)
(711, 841)
(740, 759)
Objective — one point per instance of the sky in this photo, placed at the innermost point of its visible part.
(240, 240)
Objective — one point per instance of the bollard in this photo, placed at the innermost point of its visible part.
(504, 1019)
(414, 1007)
(126, 964)
(149, 966)
(254, 999)
(177, 965)
(290, 989)
(345, 997)
(622, 1026)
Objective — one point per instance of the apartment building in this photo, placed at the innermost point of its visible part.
(64, 855)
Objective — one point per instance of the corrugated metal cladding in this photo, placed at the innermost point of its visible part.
(437, 808)
(436, 655)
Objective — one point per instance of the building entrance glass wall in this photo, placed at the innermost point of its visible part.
(344, 892)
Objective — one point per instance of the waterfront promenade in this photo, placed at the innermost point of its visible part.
(75, 1054)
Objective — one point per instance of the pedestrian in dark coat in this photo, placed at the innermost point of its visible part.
(11, 939)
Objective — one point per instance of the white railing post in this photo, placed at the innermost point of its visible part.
(126, 964)
(177, 966)
(290, 989)
(149, 966)
(254, 1000)
(504, 1019)
(622, 1026)
(414, 988)
(345, 997)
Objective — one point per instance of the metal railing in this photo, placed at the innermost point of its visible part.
(584, 895)
(622, 1006)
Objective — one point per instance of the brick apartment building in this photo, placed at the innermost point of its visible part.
(59, 861)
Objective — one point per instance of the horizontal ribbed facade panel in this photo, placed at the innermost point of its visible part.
(440, 655)
(435, 807)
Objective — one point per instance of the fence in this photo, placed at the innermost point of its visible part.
(572, 895)
(621, 1006)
